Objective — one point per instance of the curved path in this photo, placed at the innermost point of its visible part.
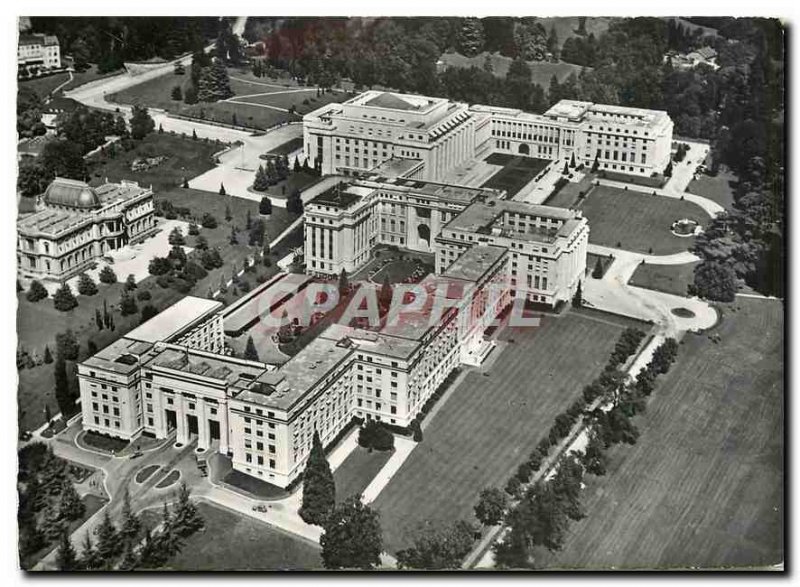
(613, 293)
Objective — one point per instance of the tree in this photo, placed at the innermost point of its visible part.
(89, 560)
(130, 282)
(572, 161)
(148, 311)
(668, 169)
(250, 352)
(194, 135)
(715, 281)
(179, 68)
(373, 435)
(297, 167)
(193, 229)
(120, 127)
(201, 243)
(186, 520)
(48, 358)
(319, 490)
(36, 292)
(577, 299)
(261, 182)
(176, 237)
(64, 300)
(108, 543)
(344, 285)
(208, 221)
(70, 506)
(131, 525)
(141, 122)
(190, 95)
(129, 559)
(127, 304)
(62, 158)
(107, 275)
(294, 203)
(176, 94)
(436, 547)
(352, 537)
(491, 506)
(214, 83)
(596, 162)
(597, 272)
(67, 345)
(159, 266)
(566, 168)
(471, 37)
(86, 285)
(66, 559)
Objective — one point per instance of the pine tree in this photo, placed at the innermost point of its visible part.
(248, 220)
(319, 489)
(265, 206)
(470, 37)
(48, 357)
(70, 506)
(131, 525)
(222, 193)
(127, 304)
(344, 285)
(597, 272)
(297, 166)
(108, 543)
(107, 275)
(86, 285)
(142, 123)
(186, 520)
(194, 135)
(89, 560)
(352, 537)
(129, 559)
(596, 163)
(106, 315)
(250, 352)
(176, 94)
(572, 161)
(66, 559)
(176, 237)
(261, 183)
(64, 300)
(36, 292)
(130, 282)
(566, 168)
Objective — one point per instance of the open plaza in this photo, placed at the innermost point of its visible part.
(430, 282)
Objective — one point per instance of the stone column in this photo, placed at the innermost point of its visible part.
(181, 423)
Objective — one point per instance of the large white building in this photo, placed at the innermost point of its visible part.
(76, 224)
(38, 52)
(171, 374)
(375, 127)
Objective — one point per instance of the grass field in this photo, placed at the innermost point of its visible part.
(156, 93)
(638, 221)
(288, 147)
(232, 542)
(185, 158)
(718, 189)
(704, 485)
(569, 195)
(357, 471)
(674, 279)
(489, 425)
(541, 71)
(515, 174)
(44, 85)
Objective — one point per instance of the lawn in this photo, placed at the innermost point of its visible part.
(157, 93)
(591, 262)
(254, 486)
(44, 85)
(489, 425)
(703, 487)
(403, 271)
(515, 174)
(718, 188)
(541, 71)
(637, 221)
(674, 279)
(186, 158)
(296, 181)
(233, 542)
(569, 195)
(357, 471)
(102, 442)
(289, 146)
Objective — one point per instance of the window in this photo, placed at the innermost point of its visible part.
(248, 457)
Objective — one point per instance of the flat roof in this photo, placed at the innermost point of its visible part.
(475, 262)
(51, 221)
(481, 216)
(232, 371)
(174, 320)
(121, 356)
(339, 195)
(396, 167)
(284, 387)
(112, 193)
(241, 317)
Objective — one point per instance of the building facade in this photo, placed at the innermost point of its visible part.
(38, 52)
(76, 224)
(372, 128)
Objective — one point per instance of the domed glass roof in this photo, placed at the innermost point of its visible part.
(71, 193)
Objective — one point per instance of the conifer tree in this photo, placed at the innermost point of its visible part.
(64, 300)
(250, 352)
(89, 560)
(48, 357)
(130, 521)
(107, 275)
(86, 285)
(108, 544)
(66, 559)
(36, 292)
(319, 489)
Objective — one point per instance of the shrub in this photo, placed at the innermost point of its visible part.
(107, 275)
(144, 295)
(373, 435)
(513, 486)
(524, 473)
(36, 292)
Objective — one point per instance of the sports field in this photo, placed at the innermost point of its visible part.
(637, 221)
(704, 485)
(489, 425)
(517, 171)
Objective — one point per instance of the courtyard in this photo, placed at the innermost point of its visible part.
(492, 421)
(516, 173)
(636, 221)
